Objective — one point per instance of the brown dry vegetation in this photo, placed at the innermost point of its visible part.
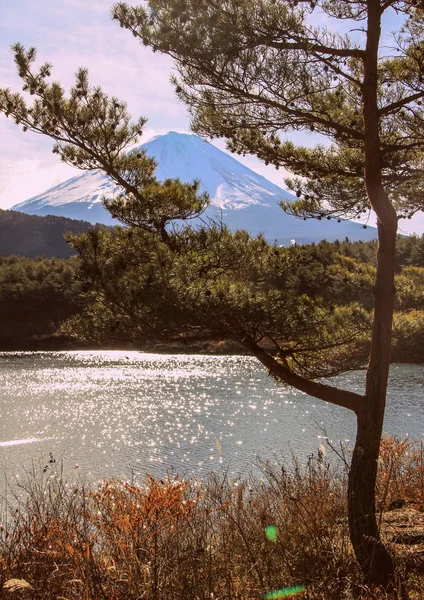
(186, 539)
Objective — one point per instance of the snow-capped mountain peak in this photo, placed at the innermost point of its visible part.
(246, 199)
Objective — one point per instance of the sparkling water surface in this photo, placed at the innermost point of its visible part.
(118, 413)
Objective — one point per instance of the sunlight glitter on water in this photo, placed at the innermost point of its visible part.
(20, 442)
(117, 412)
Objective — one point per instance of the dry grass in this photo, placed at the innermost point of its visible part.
(184, 539)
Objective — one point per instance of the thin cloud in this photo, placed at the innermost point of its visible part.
(82, 4)
(24, 178)
(75, 33)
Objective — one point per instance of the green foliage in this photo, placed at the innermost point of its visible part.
(411, 251)
(312, 305)
(153, 203)
(252, 71)
(210, 282)
(314, 301)
(91, 131)
(410, 289)
(36, 296)
(408, 338)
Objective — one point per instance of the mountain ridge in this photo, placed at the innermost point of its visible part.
(32, 235)
(241, 197)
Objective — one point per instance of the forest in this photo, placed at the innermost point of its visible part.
(50, 302)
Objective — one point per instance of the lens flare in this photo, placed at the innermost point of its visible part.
(285, 593)
(271, 533)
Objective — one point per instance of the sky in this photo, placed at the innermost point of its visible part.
(74, 33)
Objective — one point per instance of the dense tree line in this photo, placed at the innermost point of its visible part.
(216, 283)
(44, 296)
(409, 251)
(36, 297)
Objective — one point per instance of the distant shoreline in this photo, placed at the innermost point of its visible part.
(60, 343)
(63, 342)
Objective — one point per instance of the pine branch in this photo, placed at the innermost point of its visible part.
(389, 108)
(327, 393)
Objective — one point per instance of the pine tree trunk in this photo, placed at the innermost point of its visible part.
(377, 564)
(375, 561)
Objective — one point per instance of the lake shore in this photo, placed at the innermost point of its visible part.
(284, 533)
(61, 342)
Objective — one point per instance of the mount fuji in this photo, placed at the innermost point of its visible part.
(241, 197)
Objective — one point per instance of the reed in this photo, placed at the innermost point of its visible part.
(184, 539)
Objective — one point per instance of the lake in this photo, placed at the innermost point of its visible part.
(118, 413)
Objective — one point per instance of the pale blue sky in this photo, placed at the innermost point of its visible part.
(74, 33)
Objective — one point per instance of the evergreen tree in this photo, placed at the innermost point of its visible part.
(252, 70)
(210, 283)
(91, 130)
(36, 297)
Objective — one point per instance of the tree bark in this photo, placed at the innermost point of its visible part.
(377, 564)
(375, 561)
(327, 393)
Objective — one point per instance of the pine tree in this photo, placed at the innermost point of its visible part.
(253, 70)
(91, 131)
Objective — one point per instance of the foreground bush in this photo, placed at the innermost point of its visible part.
(185, 539)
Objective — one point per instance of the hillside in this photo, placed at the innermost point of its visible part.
(30, 235)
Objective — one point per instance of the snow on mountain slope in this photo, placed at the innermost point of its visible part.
(78, 198)
(230, 184)
(244, 199)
